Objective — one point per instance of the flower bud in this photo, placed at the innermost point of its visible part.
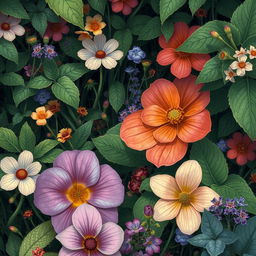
(46, 39)
(227, 29)
(148, 211)
(144, 223)
(152, 232)
(157, 225)
(13, 229)
(223, 55)
(11, 200)
(31, 40)
(214, 34)
(104, 116)
(146, 63)
(106, 104)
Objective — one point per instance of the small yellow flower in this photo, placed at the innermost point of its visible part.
(64, 135)
(94, 24)
(82, 111)
(83, 35)
(41, 115)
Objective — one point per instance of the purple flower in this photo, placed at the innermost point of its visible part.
(126, 247)
(216, 204)
(42, 96)
(77, 178)
(88, 236)
(240, 202)
(49, 52)
(148, 210)
(222, 145)
(38, 51)
(140, 253)
(122, 115)
(181, 238)
(242, 217)
(152, 245)
(133, 227)
(136, 54)
(28, 70)
(230, 207)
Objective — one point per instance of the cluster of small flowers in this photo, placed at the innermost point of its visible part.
(42, 96)
(137, 177)
(135, 93)
(46, 51)
(139, 239)
(230, 207)
(240, 65)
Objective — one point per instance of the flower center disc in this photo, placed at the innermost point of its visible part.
(5, 26)
(253, 52)
(90, 243)
(241, 148)
(175, 115)
(241, 64)
(21, 174)
(78, 194)
(95, 26)
(41, 115)
(100, 54)
(184, 198)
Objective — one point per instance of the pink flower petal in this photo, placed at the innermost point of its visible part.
(181, 68)
(232, 154)
(241, 159)
(65, 29)
(108, 215)
(66, 161)
(117, 7)
(198, 61)
(127, 9)
(132, 3)
(166, 57)
(67, 252)
(57, 36)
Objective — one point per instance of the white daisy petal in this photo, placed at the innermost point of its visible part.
(234, 65)
(9, 165)
(100, 41)
(13, 21)
(34, 168)
(27, 186)
(248, 66)
(84, 54)
(18, 30)
(25, 159)
(93, 63)
(240, 72)
(9, 35)
(9, 182)
(89, 45)
(110, 46)
(117, 55)
(109, 63)
(242, 58)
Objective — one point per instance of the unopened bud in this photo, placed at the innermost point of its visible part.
(106, 104)
(214, 34)
(152, 232)
(148, 211)
(146, 63)
(11, 200)
(223, 55)
(144, 223)
(157, 225)
(46, 39)
(104, 116)
(227, 29)
(31, 40)
(13, 229)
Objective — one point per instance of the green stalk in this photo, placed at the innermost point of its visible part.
(99, 89)
(137, 9)
(169, 239)
(13, 216)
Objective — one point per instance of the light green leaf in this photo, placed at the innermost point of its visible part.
(167, 8)
(8, 50)
(49, 157)
(44, 147)
(98, 5)
(21, 93)
(39, 82)
(145, 185)
(124, 37)
(39, 22)
(13, 8)
(73, 70)
(27, 138)
(194, 5)
(8, 140)
(116, 95)
(11, 79)
(151, 30)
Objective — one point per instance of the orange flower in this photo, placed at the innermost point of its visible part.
(41, 115)
(94, 24)
(53, 106)
(64, 135)
(181, 197)
(174, 115)
(82, 111)
(83, 35)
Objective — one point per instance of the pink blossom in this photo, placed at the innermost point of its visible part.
(124, 6)
(55, 30)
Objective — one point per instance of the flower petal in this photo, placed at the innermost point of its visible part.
(9, 165)
(9, 182)
(25, 159)
(109, 62)
(109, 190)
(109, 214)
(89, 45)
(18, 30)
(198, 60)
(70, 238)
(166, 57)
(232, 154)
(154, 116)
(188, 220)
(165, 187)
(34, 168)
(9, 35)
(117, 55)
(189, 176)
(27, 186)
(117, 7)
(100, 40)
(135, 134)
(166, 210)
(162, 93)
(66, 252)
(165, 134)
(93, 63)
(84, 54)
(181, 68)
(110, 46)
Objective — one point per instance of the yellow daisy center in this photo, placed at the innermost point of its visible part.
(78, 194)
(175, 115)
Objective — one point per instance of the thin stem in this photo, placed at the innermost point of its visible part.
(182, 251)
(169, 239)
(13, 216)
(51, 131)
(136, 10)
(71, 145)
(69, 121)
(36, 211)
(99, 89)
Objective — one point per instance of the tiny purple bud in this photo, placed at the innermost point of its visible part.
(148, 211)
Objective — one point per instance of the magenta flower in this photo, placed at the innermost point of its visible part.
(152, 245)
(133, 227)
(75, 179)
(87, 235)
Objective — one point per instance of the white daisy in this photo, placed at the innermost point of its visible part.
(21, 173)
(9, 27)
(252, 52)
(98, 52)
(241, 66)
(242, 52)
(230, 75)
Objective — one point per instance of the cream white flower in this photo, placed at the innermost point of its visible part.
(9, 27)
(241, 66)
(252, 52)
(242, 52)
(98, 52)
(230, 75)
(22, 173)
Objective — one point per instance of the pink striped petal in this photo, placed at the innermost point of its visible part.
(67, 252)
(108, 215)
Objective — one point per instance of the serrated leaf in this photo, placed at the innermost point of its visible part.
(145, 185)
(39, 82)
(116, 95)
(212, 86)
(11, 79)
(211, 226)
(50, 156)
(21, 93)
(215, 247)
(27, 138)
(51, 70)
(73, 70)
(39, 22)
(200, 240)
(227, 236)
(117, 22)
(167, 8)
(8, 50)
(22, 61)
(194, 5)
(44, 147)
(151, 30)
(98, 5)
(13, 8)
(8, 140)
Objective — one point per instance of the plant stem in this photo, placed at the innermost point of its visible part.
(136, 10)
(169, 239)
(99, 89)
(13, 216)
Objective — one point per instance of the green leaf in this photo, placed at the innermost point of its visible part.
(227, 8)
(65, 90)
(137, 23)
(73, 70)
(21, 93)
(51, 16)
(117, 22)
(49, 157)
(98, 5)
(227, 125)
(81, 135)
(44, 147)
(51, 70)
(39, 22)
(70, 46)
(27, 138)
(167, 8)
(39, 82)
(115, 129)
(212, 71)
(212, 86)
(236, 186)
(13, 244)
(13, 8)
(40, 236)
(242, 101)
(194, 5)
(115, 151)
(70, 10)
(212, 161)
(8, 50)
(215, 247)
(11, 79)
(167, 29)
(201, 40)
(200, 240)
(228, 237)
(116, 95)
(151, 30)
(124, 37)
(8, 140)
(22, 61)
(155, 6)
(145, 185)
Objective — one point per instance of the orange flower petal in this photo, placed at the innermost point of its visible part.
(188, 220)
(202, 197)
(166, 57)
(41, 122)
(34, 116)
(232, 154)
(165, 133)
(48, 114)
(162, 93)
(189, 176)
(194, 128)
(166, 210)
(135, 134)
(40, 109)
(167, 154)
(154, 116)
(165, 187)
(181, 67)
(198, 61)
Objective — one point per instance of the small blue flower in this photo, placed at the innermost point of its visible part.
(42, 96)
(181, 238)
(242, 217)
(49, 52)
(136, 55)
(38, 51)
(222, 145)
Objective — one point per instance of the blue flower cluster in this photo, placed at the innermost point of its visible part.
(136, 55)
(222, 145)
(47, 51)
(181, 238)
(42, 96)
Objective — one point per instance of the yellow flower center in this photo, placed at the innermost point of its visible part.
(175, 115)
(184, 198)
(78, 194)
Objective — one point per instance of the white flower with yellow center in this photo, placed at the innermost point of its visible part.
(241, 66)
(230, 75)
(252, 52)
(242, 52)
(99, 52)
(22, 173)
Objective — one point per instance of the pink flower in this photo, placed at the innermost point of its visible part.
(241, 148)
(55, 30)
(75, 179)
(87, 235)
(124, 6)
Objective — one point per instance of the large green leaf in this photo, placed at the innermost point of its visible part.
(116, 95)
(137, 23)
(8, 50)
(13, 8)
(27, 138)
(21, 93)
(70, 46)
(151, 30)
(98, 5)
(49, 157)
(39, 22)
(242, 101)
(11, 79)
(194, 5)
(212, 161)
(13, 244)
(167, 29)
(44, 147)
(39, 82)
(8, 140)
(227, 125)
(124, 37)
(51, 70)
(73, 70)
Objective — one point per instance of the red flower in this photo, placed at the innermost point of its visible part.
(140, 174)
(134, 185)
(38, 252)
(181, 62)
(241, 148)
(55, 30)
(201, 13)
(124, 6)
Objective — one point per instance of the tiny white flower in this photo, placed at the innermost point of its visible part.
(242, 52)
(252, 52)
(241, 66)
(9, 27)
(98, 52)
(230, 75)
(22, 173)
